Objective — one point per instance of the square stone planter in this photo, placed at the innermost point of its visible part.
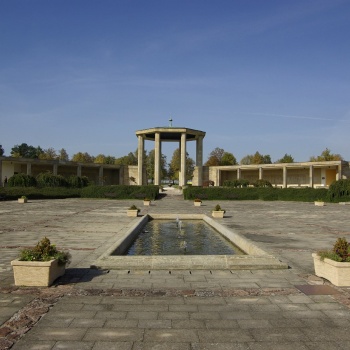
(132, 212)
(22, 200)
(146, 203)
(319, 204)
(36, 273)
(218, 213)
(197, 204)
(338, 273)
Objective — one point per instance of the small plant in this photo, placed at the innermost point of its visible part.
(24, 197)
(45, 251)
(340, 251)
(198, 200)
(134, 207)
(146, 199)
(218, 208)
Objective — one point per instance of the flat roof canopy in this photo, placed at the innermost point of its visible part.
(170, 133)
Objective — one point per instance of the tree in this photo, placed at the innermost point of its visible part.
(25, 151)
(246, 160)
(150, 165)
(102, 159)
(130, 159)
(82, 158)
(287, 158)
(63, 155)
(219, 157)
(256, 158)
(175, 164)
(326, 155)
(48, 154)
(2, 151)
(228, 159)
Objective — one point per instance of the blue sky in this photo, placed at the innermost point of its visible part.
(267, 76)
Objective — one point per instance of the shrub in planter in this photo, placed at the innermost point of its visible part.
(218, 212)
(334, 264)
(133, 211)
(41, 265)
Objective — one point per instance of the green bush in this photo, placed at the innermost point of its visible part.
(262, 183)
(121, 192)
(78, 181)
(236, 183)
(22, 180)
(340, 251)
(47, 179)
(339, 191)
(255, 193)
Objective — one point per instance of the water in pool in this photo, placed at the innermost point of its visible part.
(176, 237)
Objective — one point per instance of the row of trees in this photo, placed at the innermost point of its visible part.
(168, 170)
(220, 157)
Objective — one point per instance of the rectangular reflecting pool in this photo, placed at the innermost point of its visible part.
(180, 237)
(190, 248)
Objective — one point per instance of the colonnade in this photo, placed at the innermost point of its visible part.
(171, 134)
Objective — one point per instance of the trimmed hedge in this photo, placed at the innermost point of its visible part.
(339, 191)
(40, 193)
(256, 193)
(121, 192)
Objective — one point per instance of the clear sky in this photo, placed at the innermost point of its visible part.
(271, 76)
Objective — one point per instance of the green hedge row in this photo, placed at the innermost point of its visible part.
(121, 192)
(39, 193)
(254, 193)
(339, 191)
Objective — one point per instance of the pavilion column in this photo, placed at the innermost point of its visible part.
(140, 153)
(285, 177)
(199, 159)
(311, 176)
(29, 168)
(261, 173)
(239, 173)
(182, 179)
(55, 169)
(79, 170)
(100, 175)
(157, 155)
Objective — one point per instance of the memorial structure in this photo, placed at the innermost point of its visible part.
(170, 134)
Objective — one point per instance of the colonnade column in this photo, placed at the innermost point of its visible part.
(157, 155)
(261, 173)
(338, 175)
(29, 168)
(140, 152)
(285, 177)
(79, 170)
(239, 173)
(311, 176)
(55, 168)
(182, 177)
(100, 176)
(199, 159)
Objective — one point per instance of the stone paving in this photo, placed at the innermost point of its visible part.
(169, 309)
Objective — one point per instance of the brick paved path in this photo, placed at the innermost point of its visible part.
(91, 309)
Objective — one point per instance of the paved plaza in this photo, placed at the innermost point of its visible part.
(173, 309)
